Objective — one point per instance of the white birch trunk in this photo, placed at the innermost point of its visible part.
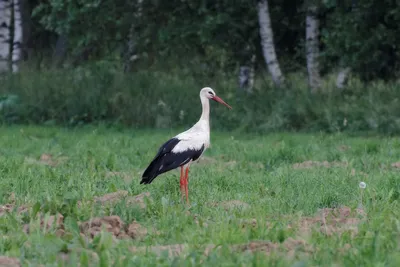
(267, 43)
(5, 35)
(17, 40)
(342, 77)
(312, 48)
(246, 76)
(132, 53)
(252, 72)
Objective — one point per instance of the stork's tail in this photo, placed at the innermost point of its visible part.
(152, 171)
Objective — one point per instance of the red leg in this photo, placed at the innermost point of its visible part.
(187, 185)
(182, 183)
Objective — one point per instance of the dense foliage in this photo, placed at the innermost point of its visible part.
(357, 34)
(364, 37)
(182, 46)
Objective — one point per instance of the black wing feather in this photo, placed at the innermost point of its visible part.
(166, 160)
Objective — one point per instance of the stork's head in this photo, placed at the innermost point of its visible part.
(209, 93)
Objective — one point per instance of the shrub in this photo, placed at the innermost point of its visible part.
(101, 93)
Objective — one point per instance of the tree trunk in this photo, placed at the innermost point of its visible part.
(27, 47)
(246, 76)
(5, 35)
(342, 78)
(17, 37)
(60, 51)
(267, 43)
(343, 75)
(312, 48)
(131, 53)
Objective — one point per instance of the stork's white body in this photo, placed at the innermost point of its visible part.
(194, 138)
(199, 134)
(185, 147)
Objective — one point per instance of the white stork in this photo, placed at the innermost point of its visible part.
(184, 148)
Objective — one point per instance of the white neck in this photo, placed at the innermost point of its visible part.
(205, 114)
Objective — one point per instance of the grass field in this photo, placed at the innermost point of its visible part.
(255, 200)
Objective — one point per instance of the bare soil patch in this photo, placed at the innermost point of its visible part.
(332, 221)
(249, 223)
(329, 221)
(47, 222)
(114, 225)
(9, 262)
(111, 198)
(256, 246)
(91, 228)
(115, 197)
(6, 208)
(257, 165)
(47, 159)
(139, 200)
(343, 148)
(396, 165)
(289, 247)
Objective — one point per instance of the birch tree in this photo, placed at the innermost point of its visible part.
(312, 47)
(5, 34)
(131, 53)
(17, 37)
(246, 71)
(267, 43)
(342, 77)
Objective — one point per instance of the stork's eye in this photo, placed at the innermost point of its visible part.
(210, 93)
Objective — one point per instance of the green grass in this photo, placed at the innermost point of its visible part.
(257, 170)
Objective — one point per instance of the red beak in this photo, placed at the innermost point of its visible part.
(218, 99)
